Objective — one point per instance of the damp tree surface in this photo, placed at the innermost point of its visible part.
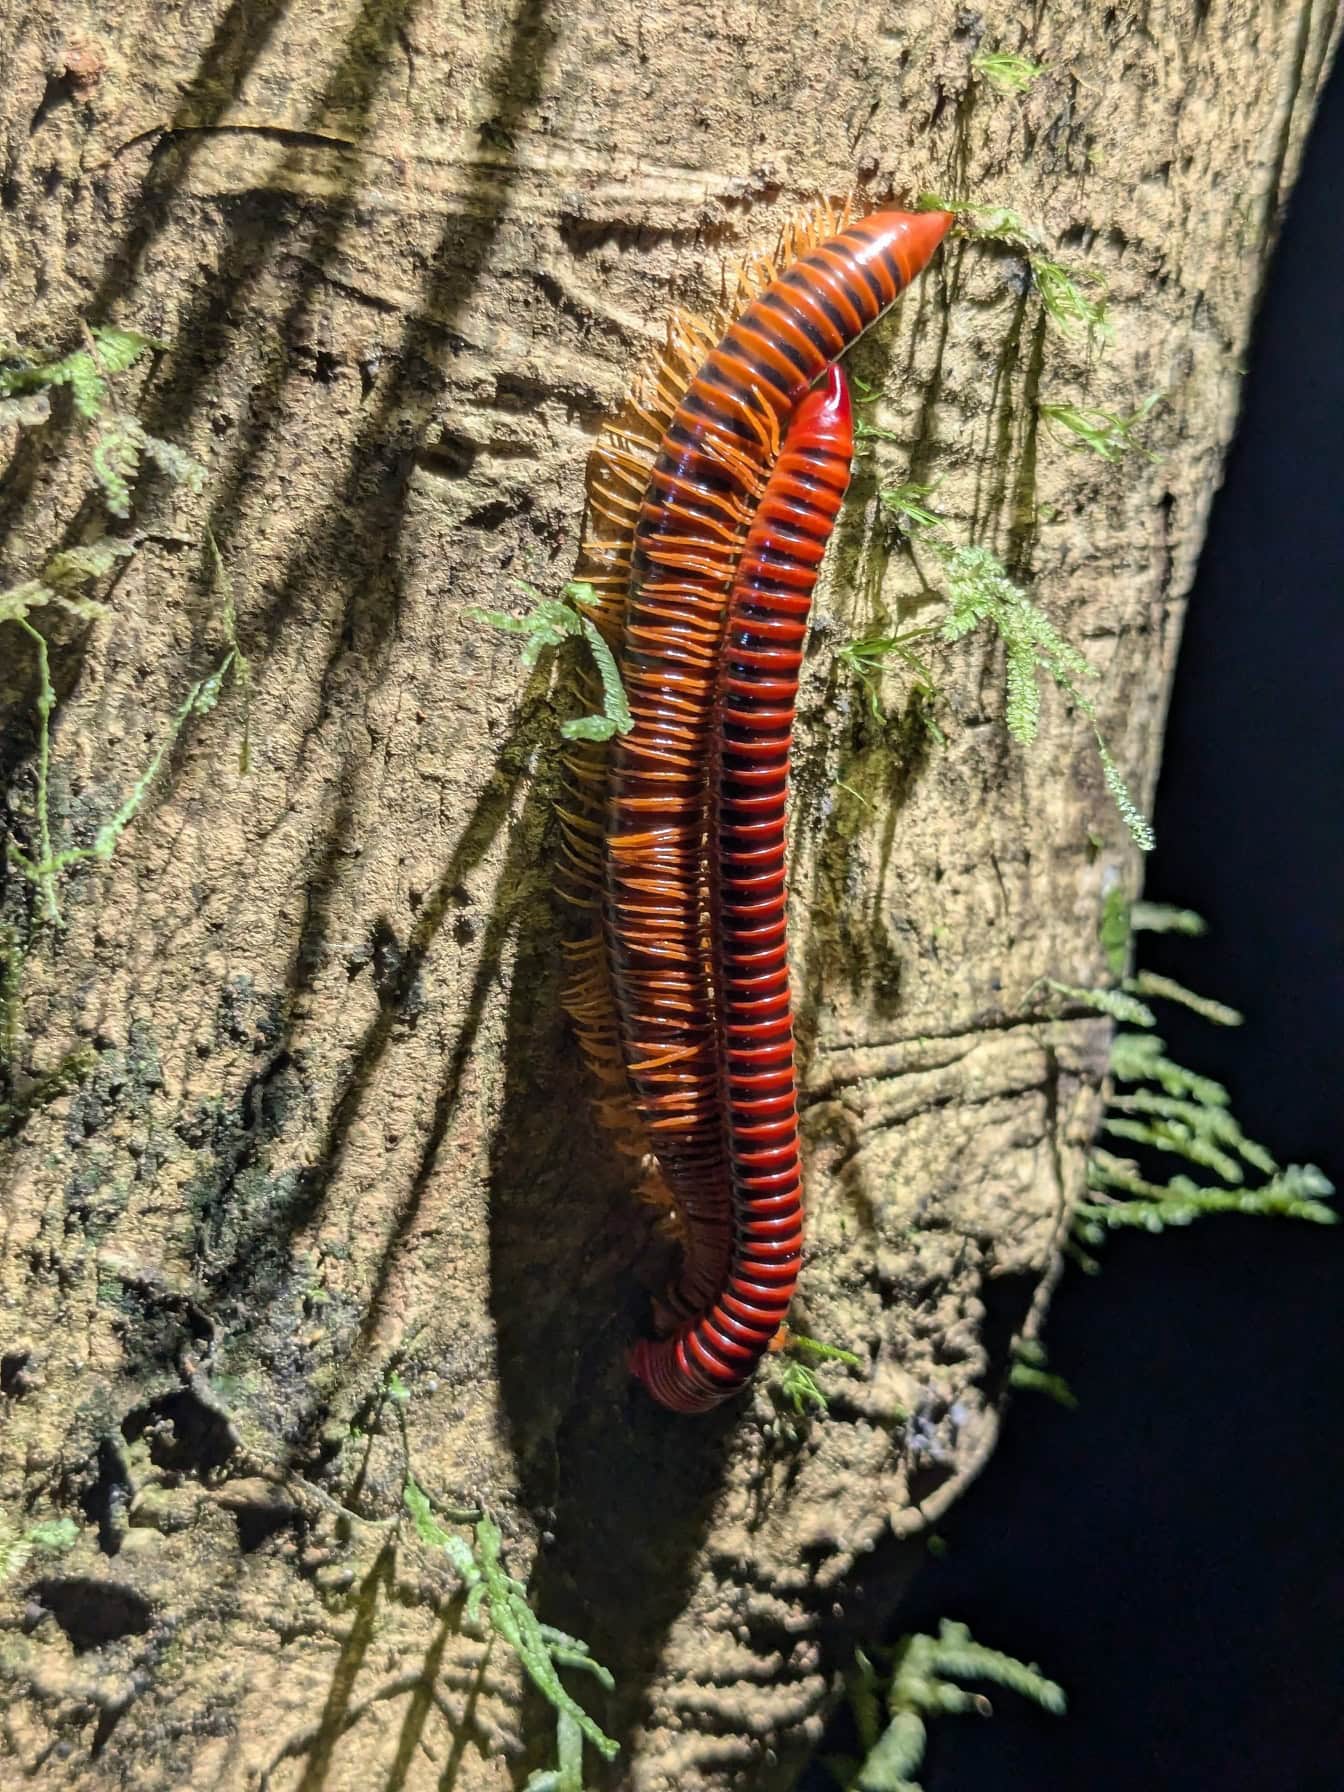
(301, 1192)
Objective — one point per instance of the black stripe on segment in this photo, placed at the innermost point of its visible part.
(830, 280)
(698, 406)
(778, 555)
(820, 459)
(710, 473)
(888, 259)
(805, 477)
(774, 301)
(749, 342)
(715, 376)
(859, 270)
(862, 230)
(799, 281)
(792, 354)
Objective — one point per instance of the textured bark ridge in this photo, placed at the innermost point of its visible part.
(331, 1124)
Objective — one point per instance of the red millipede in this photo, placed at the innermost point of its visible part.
(657, 1018)
(756, 692)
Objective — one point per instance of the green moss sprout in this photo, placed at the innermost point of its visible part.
(1161, 917)
(985, 223)
(1104, 433)
(799, 1344)
(17, 1547)
(1074, 298)
(796, 1390)
(63, 586)
(1005, 72)
(866, 659)
(1168, 1112)
(979, 591)
(107, 352)
(496, 1603)
(1029, 1374)
(906, 504)
(553, 620)
(51, 861)
(1117, 1004)
(91, 373)
(893, 1692)
(1156, 988)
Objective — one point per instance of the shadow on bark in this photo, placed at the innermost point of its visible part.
(623, 1490)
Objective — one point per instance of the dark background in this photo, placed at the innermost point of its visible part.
(1173, 1552)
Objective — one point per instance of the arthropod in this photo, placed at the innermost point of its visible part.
(663, 986)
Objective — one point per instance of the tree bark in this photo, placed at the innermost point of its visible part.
(329, 1126)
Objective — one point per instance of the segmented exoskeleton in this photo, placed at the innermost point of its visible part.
(649, 992)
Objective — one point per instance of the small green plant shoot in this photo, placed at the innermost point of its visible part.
(1161, 917)
(1005, 72)
(980, 591)
(985, 223)
(906, 504)
(866, 658)
(495, 1598)
(1074, 298)
(1030, 1374)
(17, 1547)
(106, 353)
(796, 1388)
(1101, 432)
(893, 1692)
(91, 373)
(556, 619)
(1121, 919)
(1171, 1112)
(1117, 1004)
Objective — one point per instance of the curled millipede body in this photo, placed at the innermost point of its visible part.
(756, 691)
(652, 985)
(707, 476)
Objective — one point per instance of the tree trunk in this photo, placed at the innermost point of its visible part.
(318, 1187)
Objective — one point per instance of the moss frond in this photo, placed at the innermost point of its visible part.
(798, 1389)
(1113, 1002)
(1105, 433)
(108, 351)
(906, 504)
(17, 1547)
(1005, 72)
(495, 1598)
(985, 223)
(1074, 298)
(554, 620)
(823, 1353)
(865, 660)
(1140, 828)
(1169, 1112)
(1114, 929)
(978, 591)
(1029, 1374)
(1148, 983)
(1161, 917)
(920, 1681)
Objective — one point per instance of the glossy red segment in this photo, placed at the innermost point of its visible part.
(755, 695)
(669, 869)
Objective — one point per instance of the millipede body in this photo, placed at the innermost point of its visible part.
(755, 694)
(681, 992)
